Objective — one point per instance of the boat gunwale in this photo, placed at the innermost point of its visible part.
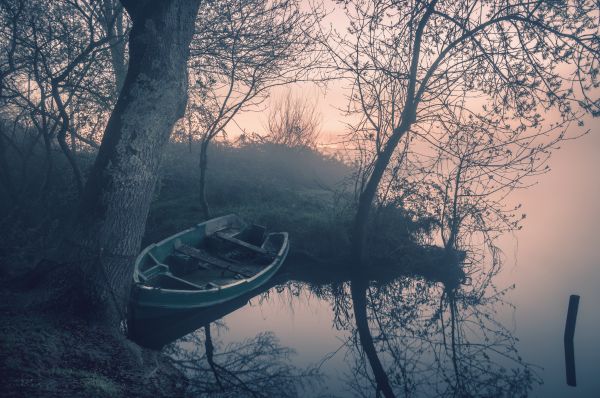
(137, 275)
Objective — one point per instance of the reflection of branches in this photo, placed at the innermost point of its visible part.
(255, 367)
(360, 315)
(426, 339)
(209, 349)
(482, 353)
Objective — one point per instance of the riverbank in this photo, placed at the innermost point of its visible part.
(50, 353)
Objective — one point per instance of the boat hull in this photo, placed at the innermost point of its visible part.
(150, 301)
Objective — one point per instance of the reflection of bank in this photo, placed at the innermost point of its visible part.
(409, 336)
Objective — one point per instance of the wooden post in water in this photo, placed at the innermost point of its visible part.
(569, 334)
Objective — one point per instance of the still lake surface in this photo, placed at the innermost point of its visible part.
(422, 339)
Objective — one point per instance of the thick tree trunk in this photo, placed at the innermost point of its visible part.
(106, 233)
(203, 166)
(358, 289)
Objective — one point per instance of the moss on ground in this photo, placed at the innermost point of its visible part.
(46, 354)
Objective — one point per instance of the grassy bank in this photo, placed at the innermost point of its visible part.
(47, 354)
(300, 191)
(294, 190)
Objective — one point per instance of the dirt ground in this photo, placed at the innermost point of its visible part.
(46, 354)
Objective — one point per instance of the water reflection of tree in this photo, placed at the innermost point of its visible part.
(413, 338)
(254, 367)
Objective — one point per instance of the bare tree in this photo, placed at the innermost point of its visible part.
(60, 83)
(294, 122)
(413, 62)
(241, 50)
(10, 30)
(474, 166)
(10, 64)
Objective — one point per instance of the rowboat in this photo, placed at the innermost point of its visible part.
(211, 263)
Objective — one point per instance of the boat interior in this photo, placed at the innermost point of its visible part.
(214, 260)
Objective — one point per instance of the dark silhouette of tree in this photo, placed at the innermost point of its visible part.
(462, 174)
(242, 50)
(58, 83)
(412, 63)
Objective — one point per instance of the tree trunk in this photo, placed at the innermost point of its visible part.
(113, 24)
(62, 138)
(106, 232)
(358, 289)
(365, 200)
(203, 166)
(5, 170)
(45, 186)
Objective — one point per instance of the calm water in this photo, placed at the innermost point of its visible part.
(417, 338)
(428, 339)
(307, 339)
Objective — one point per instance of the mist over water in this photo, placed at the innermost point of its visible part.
(557, 255)
(316, 347)
(329, 185)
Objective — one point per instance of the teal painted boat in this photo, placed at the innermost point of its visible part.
(211, 263)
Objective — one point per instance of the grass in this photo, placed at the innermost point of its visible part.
(303, 192)
(91, 384)
(299, 191)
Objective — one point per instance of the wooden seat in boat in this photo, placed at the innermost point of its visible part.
(214, 261)
(240, 243)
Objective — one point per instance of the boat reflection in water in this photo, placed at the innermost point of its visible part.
(402, 336)
(255, 367)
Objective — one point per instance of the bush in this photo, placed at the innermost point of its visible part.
(298, 190)
(285, 189)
